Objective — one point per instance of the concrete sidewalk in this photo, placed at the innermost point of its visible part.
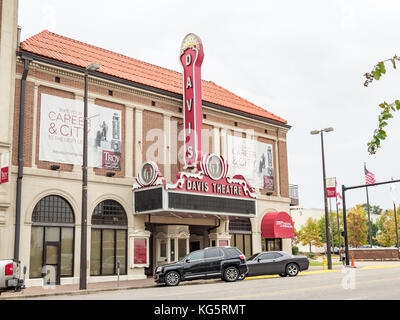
(149, 282)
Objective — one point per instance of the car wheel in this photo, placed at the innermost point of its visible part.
(292, 269)
(231, 274)
(242, 276)
(283, 275)
(172, 278)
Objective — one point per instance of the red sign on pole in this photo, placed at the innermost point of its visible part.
(191, 57)
(330, 187)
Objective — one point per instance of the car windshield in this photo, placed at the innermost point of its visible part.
(253, 257)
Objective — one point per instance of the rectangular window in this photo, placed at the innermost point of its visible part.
(247, 245)
(95, 252)
(239, 242)
(67, 251)
(273, 244)
(36, 259)
(172, 249)
(108, 256)
(52, 234)
(121, 250)
(182, 248)
(163, 250)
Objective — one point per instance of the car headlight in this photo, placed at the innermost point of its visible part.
(159, 269)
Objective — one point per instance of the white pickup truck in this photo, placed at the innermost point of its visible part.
(10, 276)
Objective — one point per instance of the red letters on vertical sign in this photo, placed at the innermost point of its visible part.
(191, 57)
(4, 167)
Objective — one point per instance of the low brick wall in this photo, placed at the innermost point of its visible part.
(374, 254)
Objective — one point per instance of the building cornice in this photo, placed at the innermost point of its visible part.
(139, 87)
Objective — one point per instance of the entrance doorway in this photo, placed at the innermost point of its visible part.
(194, 245)
(52, 259)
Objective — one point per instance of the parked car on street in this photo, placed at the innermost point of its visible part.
(227, 263)
(276, 262)
(10, 276)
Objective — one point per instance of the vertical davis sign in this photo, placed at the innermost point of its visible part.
(191, 58)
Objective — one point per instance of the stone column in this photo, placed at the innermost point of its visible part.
(138, 148)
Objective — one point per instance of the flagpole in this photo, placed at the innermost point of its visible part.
(395, 221)
(331, 223)
(369, 218)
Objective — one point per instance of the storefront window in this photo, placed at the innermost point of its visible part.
(52, 237)
(108, 254)
(163, 250)
(108, 239)
(240, 230)
(121, 250)
(67, 247)
(95, 253)
(182, 248)
(272, 244)
(36, 261)
(172, 245)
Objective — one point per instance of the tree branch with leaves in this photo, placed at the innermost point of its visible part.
(387, 108)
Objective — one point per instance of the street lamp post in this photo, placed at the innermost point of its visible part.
(83, 265)
(328, 245)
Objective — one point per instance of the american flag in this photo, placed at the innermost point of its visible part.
(369, 176)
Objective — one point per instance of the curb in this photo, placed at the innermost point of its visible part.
(94, 291)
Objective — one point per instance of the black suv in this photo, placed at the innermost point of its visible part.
(227, 263)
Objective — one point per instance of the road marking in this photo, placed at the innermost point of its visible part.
(378, 267)
(280, 292)
(323, 271)
(301, 273)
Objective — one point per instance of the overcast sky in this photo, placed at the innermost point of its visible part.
(302, 60)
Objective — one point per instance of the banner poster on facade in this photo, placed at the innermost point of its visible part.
(4, 167)
(61, 133)
(253, 160)
(330, 187)
(140, 251)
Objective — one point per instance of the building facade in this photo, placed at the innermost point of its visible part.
(136, 119)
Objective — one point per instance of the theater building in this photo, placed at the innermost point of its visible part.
(147, 203)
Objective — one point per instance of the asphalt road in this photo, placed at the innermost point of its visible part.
(347, 284)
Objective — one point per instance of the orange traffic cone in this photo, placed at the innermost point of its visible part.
(352, 262)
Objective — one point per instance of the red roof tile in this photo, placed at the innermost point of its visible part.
(53, 46)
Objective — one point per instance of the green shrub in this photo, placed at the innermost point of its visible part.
(295, 250)
(311, 255)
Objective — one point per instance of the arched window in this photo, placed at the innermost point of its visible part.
(108, 239)
(52, 238)
(240, 230)
(53, 209)
(110, 213)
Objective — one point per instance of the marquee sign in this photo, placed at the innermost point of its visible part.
(209, 190)
(191, 58)
(210, 179)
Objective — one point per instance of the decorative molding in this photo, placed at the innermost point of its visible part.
(108, 84)
(181, 179)
(138, 233)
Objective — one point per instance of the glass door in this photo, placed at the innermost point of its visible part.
(52, 262)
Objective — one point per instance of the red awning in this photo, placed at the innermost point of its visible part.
(277, 225)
